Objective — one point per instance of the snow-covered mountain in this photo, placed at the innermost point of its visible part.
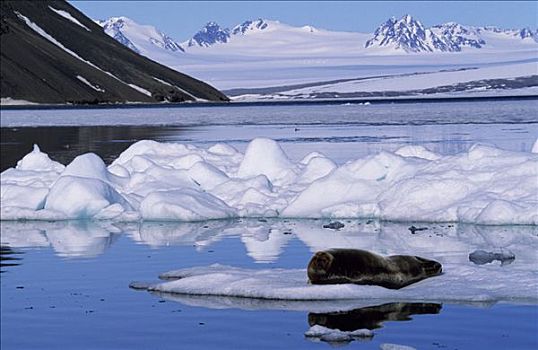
(53, 53)
(267, 37)
(406, 34)
(409, 35)
(250, 26)
(459, 36)
(139, 38)
(210, 34)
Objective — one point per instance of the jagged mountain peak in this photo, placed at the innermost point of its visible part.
(405, 34)
(250, 26)
(409, 35)
(113, 27)
(210, 34)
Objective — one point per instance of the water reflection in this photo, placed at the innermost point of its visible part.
(72, 239)
(63, 144)
(266, 241)
(8, 258)
(372, 317)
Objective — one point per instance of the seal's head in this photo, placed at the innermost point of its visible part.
(319, 266)
(431, 267)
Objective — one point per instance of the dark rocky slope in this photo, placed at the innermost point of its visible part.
(36, 69)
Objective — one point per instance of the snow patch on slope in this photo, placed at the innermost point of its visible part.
(85, 81)
(69, 17)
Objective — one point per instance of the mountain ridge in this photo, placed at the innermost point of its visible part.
(53, 53)
(404, 35)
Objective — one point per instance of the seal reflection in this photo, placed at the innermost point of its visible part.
(8, 258)
(371, 317)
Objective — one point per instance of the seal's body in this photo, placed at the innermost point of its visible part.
(338, 266)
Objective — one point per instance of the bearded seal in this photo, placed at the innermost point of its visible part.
(338, 266)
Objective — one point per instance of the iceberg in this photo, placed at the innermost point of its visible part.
(152, 181)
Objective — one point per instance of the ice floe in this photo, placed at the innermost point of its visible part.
(458, 283)
(182, 182)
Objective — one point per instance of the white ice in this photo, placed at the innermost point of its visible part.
(163, 181)
(459, 282)
(336, 335)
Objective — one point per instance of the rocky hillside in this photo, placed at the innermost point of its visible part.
(52, 53)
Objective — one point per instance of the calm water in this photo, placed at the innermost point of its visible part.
(69, 288)
(341, 132)
(65, 285)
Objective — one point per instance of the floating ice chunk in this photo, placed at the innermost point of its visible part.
(23, 196)
(417, 151)
(460, 281)
(207, 175)
(38, 161)
(222, 149)
(389, 346)
(186, 162)
(185, 205)
(336, 335)
(234, 190)
(483, 185)
(152, 150)
(88, 165)
(421, 197)
(265, 157)
(338, 188)
(81, 197)
(481, 257)
(118, 170)
(500, 211)
(316, 167)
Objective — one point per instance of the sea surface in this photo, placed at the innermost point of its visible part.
(65, 285)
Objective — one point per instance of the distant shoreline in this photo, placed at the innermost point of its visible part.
(373, 100)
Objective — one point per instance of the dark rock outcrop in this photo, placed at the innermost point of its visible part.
(47, 57)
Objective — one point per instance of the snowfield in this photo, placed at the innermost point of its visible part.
(181, 182)
(266, 53)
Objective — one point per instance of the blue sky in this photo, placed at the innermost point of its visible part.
(182, 19)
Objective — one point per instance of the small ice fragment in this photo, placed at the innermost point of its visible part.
(139, 285)
(481, 257)
(389, 346)
(336, 335)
